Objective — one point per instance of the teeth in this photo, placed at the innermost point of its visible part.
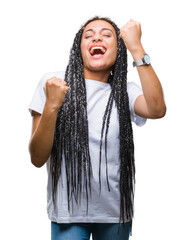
(101, 48)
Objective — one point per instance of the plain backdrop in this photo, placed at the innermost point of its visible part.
(36, 37)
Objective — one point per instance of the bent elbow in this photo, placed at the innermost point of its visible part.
(160, 113)
(163, 112)
(37, 165)
(36, 162)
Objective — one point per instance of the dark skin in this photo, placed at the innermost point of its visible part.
(149, 105)
(43, 127)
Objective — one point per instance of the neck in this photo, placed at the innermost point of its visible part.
(101, 76)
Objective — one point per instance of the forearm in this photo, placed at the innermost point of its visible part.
(151, 86)
(42, 139)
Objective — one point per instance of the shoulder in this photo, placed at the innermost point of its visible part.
(58, 74)
(39, 98)
(48, 75)
(133, 86)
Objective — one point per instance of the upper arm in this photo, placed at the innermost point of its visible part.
(140, 107)
(35, 122)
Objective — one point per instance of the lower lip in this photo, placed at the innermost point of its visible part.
(97, 56)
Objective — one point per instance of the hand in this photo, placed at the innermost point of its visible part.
(131, 35)
(55, 90)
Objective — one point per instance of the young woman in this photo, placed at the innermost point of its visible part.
(82, 130)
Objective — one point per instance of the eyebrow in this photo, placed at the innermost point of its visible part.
(101, 30)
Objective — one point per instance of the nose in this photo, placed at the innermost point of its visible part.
(97, 38)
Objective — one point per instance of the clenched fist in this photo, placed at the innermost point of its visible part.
(55, 90)
(131, 35)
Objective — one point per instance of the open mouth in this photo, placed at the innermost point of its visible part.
(98, 50)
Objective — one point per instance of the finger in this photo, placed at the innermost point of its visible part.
(58, 80)
(66, 89)
(64, 83)
(52, 79)
(122, 31)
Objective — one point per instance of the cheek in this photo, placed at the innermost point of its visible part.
(82, 49)
(84, 53)
(84, 57)
(114, 52)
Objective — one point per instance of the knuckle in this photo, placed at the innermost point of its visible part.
(53, 78)
(66, 89)
(48, 82)
(133, 24)
(59, 79)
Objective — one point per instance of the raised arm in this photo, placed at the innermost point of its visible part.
(43, 128)
(151, 104)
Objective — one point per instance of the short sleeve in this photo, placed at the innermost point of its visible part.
(38, 101)
(134, 91)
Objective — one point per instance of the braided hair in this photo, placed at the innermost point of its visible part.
(71, 131)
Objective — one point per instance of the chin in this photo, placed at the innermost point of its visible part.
(100, 67)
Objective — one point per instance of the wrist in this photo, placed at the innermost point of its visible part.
(137, 52)
(51, 108)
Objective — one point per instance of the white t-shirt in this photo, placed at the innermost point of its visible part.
(103, 207)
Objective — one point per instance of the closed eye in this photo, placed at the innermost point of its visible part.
(88, 37)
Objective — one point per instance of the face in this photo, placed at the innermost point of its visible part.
(98, 46)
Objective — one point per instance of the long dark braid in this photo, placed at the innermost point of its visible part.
(71, 133)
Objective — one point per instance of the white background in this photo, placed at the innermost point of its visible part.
(36, 37)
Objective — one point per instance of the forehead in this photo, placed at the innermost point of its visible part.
(98, 25)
